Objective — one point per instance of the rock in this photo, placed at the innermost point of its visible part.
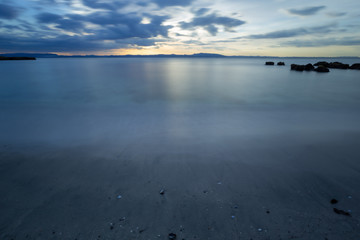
(172, 236)
(162, 191)
(338, 65)
(355, 66)
(325, 64)
(269, 63)
(281, 64)
(321, 69)
(300, 68)
(309, 67)
(334, 201)
(297, 67)
(341, 212)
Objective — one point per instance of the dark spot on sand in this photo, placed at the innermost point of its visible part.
(172, 236)
(267, 211)
(341, 212)
(334, 201)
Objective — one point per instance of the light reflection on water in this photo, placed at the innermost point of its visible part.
(170, 101)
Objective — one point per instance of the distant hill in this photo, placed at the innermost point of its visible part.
(51, 55)
(196, 55)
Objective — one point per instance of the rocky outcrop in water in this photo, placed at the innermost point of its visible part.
(355, 66)
(321, 69)
(297, 67)
(336, 65)
(309, 67)
(17, 58)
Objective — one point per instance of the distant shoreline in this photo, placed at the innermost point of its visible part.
(197, 55)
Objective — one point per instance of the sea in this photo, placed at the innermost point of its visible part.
(202, 106)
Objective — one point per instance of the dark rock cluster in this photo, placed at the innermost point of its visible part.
(272, 63)
(309, 67)
(321, 66)
(337, 65)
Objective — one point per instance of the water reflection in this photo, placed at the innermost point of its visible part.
(169, 101)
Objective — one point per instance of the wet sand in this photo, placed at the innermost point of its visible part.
(262, 188)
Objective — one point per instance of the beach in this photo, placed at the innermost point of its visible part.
(267, 186)
(177, 148)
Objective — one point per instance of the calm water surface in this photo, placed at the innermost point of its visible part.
(156, 103)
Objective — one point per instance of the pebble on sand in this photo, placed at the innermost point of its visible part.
(341, 212)
(172, 236)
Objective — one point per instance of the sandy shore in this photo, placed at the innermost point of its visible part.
(260, 189)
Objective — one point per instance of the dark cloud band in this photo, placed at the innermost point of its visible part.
(308, 11)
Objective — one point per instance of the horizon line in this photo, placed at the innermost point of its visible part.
(200, 54)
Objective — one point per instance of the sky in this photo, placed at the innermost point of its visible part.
(229, 27)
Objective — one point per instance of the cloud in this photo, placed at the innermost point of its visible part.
(167, 3)
(293, 32)
(209, 22)
(121, 26)
(48, 18)
(111, 25)
(8, 12)
(60, 22)
(308, 11)
(65, 43)
(113, 30)
(111, 5)
(212, 29)
(201, 11)
(104, 4)
(336, 14)
(323, 42)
